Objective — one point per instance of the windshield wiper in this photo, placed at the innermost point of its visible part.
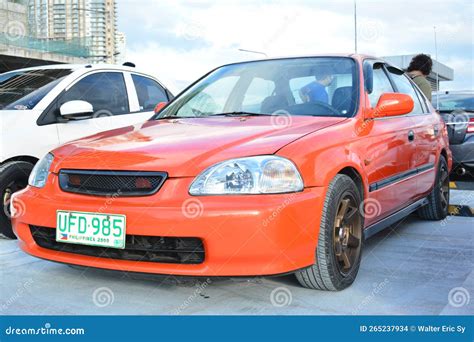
(211, 115)
(240, 114)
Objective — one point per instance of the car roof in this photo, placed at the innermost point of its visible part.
(75, 67)
(454, 92)
(359, 57)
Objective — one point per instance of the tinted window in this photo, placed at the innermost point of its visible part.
(105, 91)
(24, 89)
(381, 84)
(316, 86)
(149, 92)
(450, 102)
(404, 86)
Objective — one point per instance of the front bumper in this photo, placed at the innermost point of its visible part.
(463, 154)
(242, 235)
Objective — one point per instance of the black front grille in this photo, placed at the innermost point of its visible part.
(186, 250)
(111, 183)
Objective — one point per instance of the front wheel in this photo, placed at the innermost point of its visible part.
(13, 177)
(438, 199)
(340, 242)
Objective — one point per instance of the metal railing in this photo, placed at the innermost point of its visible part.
(76, 47)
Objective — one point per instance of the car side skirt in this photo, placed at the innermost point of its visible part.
(391, 219)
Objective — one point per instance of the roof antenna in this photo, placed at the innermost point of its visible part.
(437, 71)
(129, 64)
(355, 26)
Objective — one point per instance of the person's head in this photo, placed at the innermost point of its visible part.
(421, 63)
(324, 77)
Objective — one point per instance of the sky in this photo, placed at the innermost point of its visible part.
(179, 41)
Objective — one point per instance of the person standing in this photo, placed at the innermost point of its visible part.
(420, 67)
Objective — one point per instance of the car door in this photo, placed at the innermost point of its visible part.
(388, 153)
(424, 135)
(113, 99)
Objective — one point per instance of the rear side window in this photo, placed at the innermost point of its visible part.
(149, 92)
(381, 84)
(404, 86)
(105, 91)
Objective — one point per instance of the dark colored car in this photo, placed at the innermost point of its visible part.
(457, 110)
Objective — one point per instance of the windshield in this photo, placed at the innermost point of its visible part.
(316, 86)
(24, 89)
(451, 102)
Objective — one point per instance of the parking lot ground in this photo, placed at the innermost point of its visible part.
(414, 268)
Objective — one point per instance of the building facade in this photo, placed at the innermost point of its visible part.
(85, 22)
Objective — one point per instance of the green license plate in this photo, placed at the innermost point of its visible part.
(93, 229)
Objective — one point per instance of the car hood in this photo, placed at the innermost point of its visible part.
(184, 147)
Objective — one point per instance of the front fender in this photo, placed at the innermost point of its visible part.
(322, 155)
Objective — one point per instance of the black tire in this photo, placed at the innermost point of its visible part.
(438, 199)
(13, 177)
(328, 273)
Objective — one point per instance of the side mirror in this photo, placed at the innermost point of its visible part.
(160, 106)
(393, 104)
(77, 109)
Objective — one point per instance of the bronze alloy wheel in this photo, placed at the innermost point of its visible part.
(444, 186)
(347, 234)
(340, 239)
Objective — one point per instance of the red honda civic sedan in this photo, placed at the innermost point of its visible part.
(258, 168)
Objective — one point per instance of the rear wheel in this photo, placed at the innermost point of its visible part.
(438, 199)
(339, 249)
(13, 177)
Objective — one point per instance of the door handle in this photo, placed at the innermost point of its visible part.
(411, 136)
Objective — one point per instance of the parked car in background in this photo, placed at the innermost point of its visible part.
(457, 110)
(43, 107)
(253, 170)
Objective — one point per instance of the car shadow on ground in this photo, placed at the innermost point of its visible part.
(170, 281)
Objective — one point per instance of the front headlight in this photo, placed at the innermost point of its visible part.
(252, 175)
(39, 175)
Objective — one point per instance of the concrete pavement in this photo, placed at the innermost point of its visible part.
(415, 268)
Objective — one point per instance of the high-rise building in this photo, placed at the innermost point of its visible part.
(88, 22)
